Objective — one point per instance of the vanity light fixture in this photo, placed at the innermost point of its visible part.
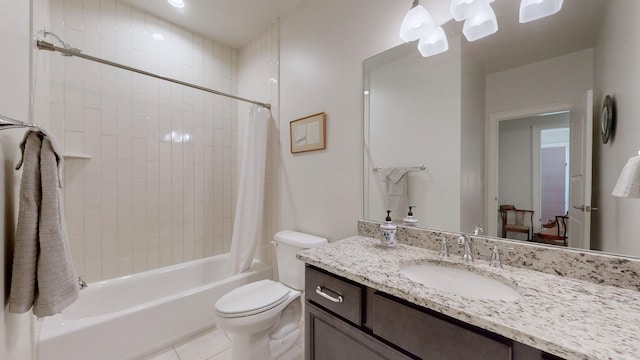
(628, 185)
(176, 3)
(464, 9)
(535, 9)
(434, 43)
(417, 23)
(482, 24)
(479, 21)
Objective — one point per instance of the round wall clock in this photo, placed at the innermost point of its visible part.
(606, 119)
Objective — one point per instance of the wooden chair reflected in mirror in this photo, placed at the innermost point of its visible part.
(516, 221)
(555, 232)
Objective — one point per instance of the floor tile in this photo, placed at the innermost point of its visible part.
(225, 355)
(204, 346)
(295, 353)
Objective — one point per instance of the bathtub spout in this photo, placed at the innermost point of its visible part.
(83, 285)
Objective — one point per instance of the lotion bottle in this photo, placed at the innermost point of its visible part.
(389, 232)
(410, 220)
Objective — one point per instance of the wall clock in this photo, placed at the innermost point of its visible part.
(606, 120)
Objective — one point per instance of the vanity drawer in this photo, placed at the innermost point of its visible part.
(430, 337)
(335, 294)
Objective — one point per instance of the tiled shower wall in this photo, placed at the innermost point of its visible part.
(160, 186)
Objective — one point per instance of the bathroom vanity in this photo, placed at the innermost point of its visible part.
(369, 324)
(361, 305)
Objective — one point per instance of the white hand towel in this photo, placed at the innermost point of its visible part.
(43, 274)
(397, 191)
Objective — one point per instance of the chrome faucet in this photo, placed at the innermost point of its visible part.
(478, 230)
(444, 248)
(495, 255)
(463, 240)
(83, 285)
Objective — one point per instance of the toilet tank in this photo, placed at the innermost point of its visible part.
(288, 243)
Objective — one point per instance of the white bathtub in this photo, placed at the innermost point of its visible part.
(132, 316)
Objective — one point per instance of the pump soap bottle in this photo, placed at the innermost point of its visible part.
(389, 232)
(410, 220)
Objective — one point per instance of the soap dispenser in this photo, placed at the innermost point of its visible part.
(389, 232)
(410, 220)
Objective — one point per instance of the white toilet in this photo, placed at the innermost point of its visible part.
(263, 316)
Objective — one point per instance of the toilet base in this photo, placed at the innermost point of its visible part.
(280, 346)
(251, 346)
(259, 347)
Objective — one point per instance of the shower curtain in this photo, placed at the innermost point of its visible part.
(247, 226)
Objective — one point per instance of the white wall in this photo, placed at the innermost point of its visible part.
(556, 80)
(617, 55)
(414, 117)
(472, 140)
(15, 338)
(323, 44)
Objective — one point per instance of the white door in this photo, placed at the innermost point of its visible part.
(580, 172)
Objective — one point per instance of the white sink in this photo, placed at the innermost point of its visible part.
(456, 280)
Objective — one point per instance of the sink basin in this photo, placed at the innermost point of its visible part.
(457, 280)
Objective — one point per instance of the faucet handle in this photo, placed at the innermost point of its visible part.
(495, 255)
(444, 248)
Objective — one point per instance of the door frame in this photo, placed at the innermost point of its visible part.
(491, 140)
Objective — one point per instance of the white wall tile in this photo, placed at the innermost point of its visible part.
(163, 155)
(73, 142)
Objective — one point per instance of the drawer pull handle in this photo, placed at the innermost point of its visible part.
(327, 296)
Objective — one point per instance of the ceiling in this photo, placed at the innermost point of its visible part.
(236, 22)
(574, 28)
(231, 22)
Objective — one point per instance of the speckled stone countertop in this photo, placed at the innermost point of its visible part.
(571, 318)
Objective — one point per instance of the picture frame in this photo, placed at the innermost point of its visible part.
(308, 133)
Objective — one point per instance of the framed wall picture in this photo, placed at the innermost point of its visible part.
(308, 133)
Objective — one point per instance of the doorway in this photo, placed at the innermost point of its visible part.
(554, 173)
(533, 158)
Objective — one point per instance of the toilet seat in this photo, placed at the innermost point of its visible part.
(252, 299)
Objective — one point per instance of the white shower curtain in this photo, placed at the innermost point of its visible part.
(247, 226)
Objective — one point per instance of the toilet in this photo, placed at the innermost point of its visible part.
(263, 317)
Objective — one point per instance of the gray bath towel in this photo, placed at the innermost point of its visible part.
(397, 188)
(43, 274)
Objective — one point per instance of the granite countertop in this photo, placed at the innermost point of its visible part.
(574, 319)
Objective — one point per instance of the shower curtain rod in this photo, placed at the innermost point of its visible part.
(44, 45)
(9, 123)
(414, 168)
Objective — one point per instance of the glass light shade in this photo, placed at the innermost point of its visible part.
(464, 9)
(628, 185)
(434, 43)
(417, 23)
(480, 25)
(176, 3)
(535, 9)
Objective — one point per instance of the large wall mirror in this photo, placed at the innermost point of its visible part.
(510, 120)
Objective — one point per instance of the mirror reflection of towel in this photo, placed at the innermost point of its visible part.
(397, 191)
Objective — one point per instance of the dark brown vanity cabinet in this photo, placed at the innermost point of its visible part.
(348, 321)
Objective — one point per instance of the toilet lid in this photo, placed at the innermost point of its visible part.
(252, 298)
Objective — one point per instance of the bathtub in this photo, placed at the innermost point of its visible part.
(135, 315)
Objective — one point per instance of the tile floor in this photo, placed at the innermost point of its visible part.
(213, 344)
